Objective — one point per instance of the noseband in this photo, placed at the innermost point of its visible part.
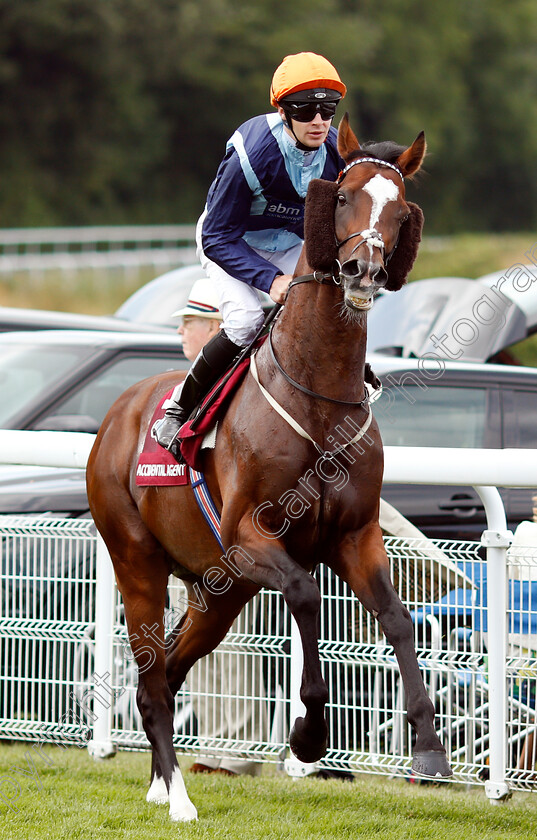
(370, 236)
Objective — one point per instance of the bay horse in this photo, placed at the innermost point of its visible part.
(293, 489)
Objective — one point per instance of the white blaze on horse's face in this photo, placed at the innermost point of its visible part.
(364, 279)
(381, 190)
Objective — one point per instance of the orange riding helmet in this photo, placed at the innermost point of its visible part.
(304, 71)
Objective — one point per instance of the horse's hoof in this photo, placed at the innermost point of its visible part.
(186, 813)
(431, 763)
(158, 792)
(306, 746)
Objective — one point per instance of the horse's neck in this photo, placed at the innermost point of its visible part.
(318, 345)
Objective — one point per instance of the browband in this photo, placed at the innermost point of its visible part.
(368, 160)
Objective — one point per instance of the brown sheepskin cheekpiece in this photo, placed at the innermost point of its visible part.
(319, 224)
(320, 234)
(400, 263)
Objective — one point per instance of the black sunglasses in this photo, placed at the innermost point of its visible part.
(305, 111)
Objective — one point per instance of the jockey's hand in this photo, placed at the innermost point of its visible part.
(279, 287)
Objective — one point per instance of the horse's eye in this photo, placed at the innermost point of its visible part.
(341, 200)
(403, 220)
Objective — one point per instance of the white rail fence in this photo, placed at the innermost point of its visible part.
(102, 253)
(66, 672)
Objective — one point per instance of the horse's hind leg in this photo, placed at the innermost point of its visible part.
(363, 564)
(142, 576)
(271, 566)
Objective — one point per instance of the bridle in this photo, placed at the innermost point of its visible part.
(361, 403)
(370, 236)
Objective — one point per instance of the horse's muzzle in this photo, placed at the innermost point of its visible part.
(361, 280)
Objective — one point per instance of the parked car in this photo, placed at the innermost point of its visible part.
(455, 404)
(156, 302)
(50, 491)
(64, 380)
(67, 381)
(468, 405)
(14, 318)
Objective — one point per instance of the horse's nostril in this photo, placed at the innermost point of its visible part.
(351, 268)
(381, 276)
(359, 269)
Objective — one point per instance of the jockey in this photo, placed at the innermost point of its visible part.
(250, 234)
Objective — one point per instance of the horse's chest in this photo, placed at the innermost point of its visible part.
(317, 511)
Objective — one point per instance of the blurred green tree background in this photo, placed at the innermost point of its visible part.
(117, 111)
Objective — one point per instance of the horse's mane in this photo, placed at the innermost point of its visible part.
(386, 150)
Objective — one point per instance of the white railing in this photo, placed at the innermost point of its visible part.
(481, 676)
(45, 240)
(102, 251)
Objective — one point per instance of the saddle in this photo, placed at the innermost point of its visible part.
(158, 466)
(212, 408)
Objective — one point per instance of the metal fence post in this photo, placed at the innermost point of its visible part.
(101, 745)
(497, 540)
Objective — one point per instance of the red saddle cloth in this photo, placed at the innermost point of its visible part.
(157, 466)
(191, 439)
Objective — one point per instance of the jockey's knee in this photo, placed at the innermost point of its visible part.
(243, 331)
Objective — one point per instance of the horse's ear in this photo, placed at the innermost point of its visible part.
(400, 264)
(347, 142)
(411, 159)
(319, 225)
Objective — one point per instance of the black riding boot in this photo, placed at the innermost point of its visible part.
(211, 363)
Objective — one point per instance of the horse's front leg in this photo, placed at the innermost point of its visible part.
(267, 564)
(362, 562)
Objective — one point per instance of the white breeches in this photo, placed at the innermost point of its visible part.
(240, 304)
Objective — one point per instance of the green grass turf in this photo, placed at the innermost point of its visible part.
(81, 799)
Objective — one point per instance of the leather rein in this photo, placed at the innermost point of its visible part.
(327, 279)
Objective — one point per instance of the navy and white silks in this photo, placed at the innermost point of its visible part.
(252, 227)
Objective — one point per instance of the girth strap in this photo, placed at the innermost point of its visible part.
(205, 503)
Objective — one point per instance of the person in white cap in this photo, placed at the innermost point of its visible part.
(201, 318)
